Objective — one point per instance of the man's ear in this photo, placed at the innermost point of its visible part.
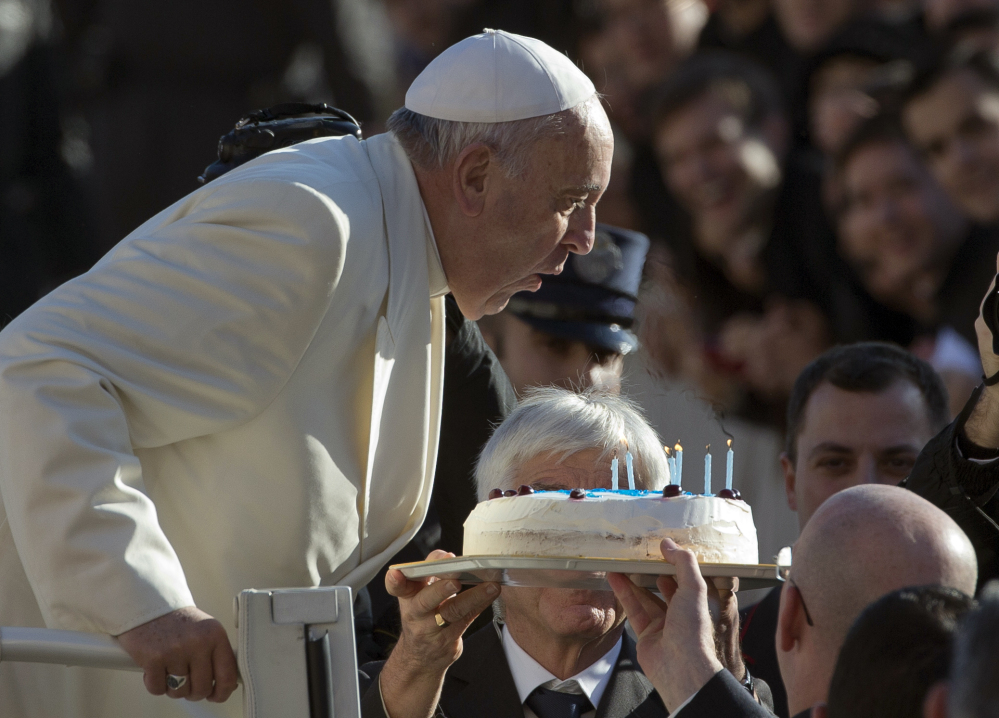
(935, 703)
(471, 178)
(790, 618)
(790, 481)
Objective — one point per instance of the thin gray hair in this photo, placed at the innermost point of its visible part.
(559, 423)
(433, 143)
(974, 681)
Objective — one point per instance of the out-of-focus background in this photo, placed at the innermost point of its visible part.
(807, 170)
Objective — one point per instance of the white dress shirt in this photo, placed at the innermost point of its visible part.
(528, 674)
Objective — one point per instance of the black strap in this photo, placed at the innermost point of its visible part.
(991, 380)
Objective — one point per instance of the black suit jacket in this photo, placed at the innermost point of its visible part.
(966, 490)
(480, 685)
(759, 648)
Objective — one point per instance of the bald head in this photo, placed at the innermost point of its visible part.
(861, 544)
(867, 541)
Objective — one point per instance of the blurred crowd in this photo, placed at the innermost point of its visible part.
(810, 173)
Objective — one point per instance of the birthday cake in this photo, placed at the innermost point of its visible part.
(600, 523)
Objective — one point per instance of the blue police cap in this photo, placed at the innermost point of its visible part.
(593, 299)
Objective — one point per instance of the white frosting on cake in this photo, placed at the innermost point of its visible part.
(612, 524)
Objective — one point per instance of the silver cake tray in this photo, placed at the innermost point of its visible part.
(586, 573)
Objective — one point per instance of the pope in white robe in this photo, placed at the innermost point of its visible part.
(245, 392)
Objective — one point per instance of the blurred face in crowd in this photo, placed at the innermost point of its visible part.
(504, 232)
(897, 225)
(937, 13)
(838, 102)
(560, 615)
(808, 24)
(956, 127)
(531, 357)
(652, 35)
(849, 438)
(721, 170)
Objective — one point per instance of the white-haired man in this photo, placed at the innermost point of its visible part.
(552, 648)
(246, 391)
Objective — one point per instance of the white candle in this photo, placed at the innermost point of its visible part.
(707, 471)
(729, 458)
(679, 464)
(631, 471)
(614, 472)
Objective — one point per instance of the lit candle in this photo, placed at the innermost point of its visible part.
(671, 462)
(679, 463)
(614, 471)
(729, 458)
(631, 471)
(707, 470)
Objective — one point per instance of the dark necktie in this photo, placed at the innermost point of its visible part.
(552, 704)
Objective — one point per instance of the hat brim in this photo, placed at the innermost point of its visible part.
(612, 337)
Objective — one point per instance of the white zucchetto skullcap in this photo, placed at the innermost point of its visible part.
(498, 77)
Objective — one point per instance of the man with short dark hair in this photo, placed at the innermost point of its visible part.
(859, 414)
(896, 649)
(973, 688)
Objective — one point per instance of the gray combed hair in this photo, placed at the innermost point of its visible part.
(432, 143)
(559, 423)
(974, 678)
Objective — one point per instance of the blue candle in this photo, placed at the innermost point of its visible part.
(631, 471)
(614, 472)
(679, 463)
(707, 471)
(728, 466)
(671, 462)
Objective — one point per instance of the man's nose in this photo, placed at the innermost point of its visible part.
(581, 233)
(867, 471)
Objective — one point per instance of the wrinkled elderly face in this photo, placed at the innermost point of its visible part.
(850, 438)
(896, 220)
(808, 24)
(956, 127)
(718, 168)
(534, 613)
(532, 221)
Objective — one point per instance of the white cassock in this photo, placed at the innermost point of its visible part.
(244, 393)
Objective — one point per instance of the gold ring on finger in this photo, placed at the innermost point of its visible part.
(440, 620)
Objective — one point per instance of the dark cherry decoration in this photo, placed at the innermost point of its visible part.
(510, 492)
(495, 494)
(671, 490)
(726, 494)
(738, 495)
(577, 494)
(524, 490)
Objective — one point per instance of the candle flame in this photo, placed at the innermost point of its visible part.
(708, 447)
(666, 449)
(730, 443)
(678, 447)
